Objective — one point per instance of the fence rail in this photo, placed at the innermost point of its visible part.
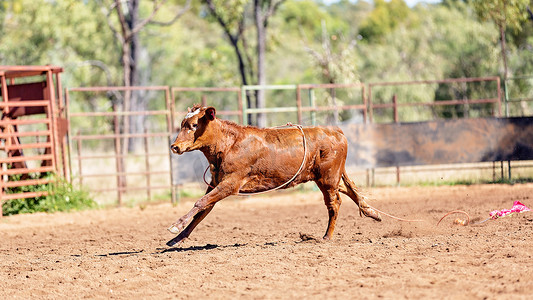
(118, 135)
(309, 103)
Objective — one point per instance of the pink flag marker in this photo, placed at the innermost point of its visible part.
(517, 208)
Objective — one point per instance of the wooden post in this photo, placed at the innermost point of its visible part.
(118, 157)
(396, 120)
(5, 97)
(299, 104)
(52, 117)
(509, 169)
(395, 108)
(147, 165)
(493, 171)
(239, 103)
(369, 105)
(79, 159)
(69, 130)
(333, 94)
(312, 103)
(170, 129)
(244, 107)
(365, 110)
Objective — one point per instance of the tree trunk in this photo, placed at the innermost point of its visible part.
(242, 72)
(261, 50)
(135, 104)
(504, 53)
(125, 107)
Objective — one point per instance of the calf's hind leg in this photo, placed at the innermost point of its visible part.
(348, 188)
(332, 200)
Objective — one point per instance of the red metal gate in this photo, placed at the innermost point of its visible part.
(33, 129)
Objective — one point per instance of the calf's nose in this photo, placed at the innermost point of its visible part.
(174, 148)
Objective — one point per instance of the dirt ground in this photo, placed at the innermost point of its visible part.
(270, 247)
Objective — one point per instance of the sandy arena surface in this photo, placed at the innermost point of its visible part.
(270, 247)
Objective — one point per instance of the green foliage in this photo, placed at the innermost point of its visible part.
(435, 42)
(505, 13)
(65, 32)
(397, 43)
(384, 19)
(62, 196)
(306, 18)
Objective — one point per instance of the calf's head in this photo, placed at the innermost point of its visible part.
(192, 134)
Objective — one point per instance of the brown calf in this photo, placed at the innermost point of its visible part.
(249, 160)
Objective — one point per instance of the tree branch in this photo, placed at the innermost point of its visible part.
(107, 13)
(234, 39)
(176, 17)
(223, 24)
(122, 20)
(139, 26)
(272, 8)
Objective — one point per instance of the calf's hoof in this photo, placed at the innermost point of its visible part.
(172, 242)
(173, 229)
(371, 213)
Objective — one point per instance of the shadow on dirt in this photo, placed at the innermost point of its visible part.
(116, 253)
(303, 238)
(198, 248)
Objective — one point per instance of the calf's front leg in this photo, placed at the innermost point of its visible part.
(201, 208)
(185, 233)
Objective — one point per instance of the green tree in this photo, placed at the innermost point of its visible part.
(505, 14)
(67, 33)
(385, 17)
(130, 23)
(435, 42)
(233, 16)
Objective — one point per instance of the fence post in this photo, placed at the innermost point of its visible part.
(365, 111)
(493, 171)
(69, 130)
(244, 106)
(336, 108)
(299, 103)
(369, 103)
(170, 127)
(509, 169)
(79, 159)
(312, 103)
(506, 97)
(396, 120)
(1, 191)
(147, 165)
(119, 157)
(240, 105)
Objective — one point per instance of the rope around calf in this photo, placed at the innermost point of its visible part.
(494, 215)
(289, 124)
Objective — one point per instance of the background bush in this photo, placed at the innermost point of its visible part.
(62, 196)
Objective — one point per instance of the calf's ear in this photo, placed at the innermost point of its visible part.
(210, 113)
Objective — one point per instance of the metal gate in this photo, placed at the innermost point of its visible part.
(33, 130)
